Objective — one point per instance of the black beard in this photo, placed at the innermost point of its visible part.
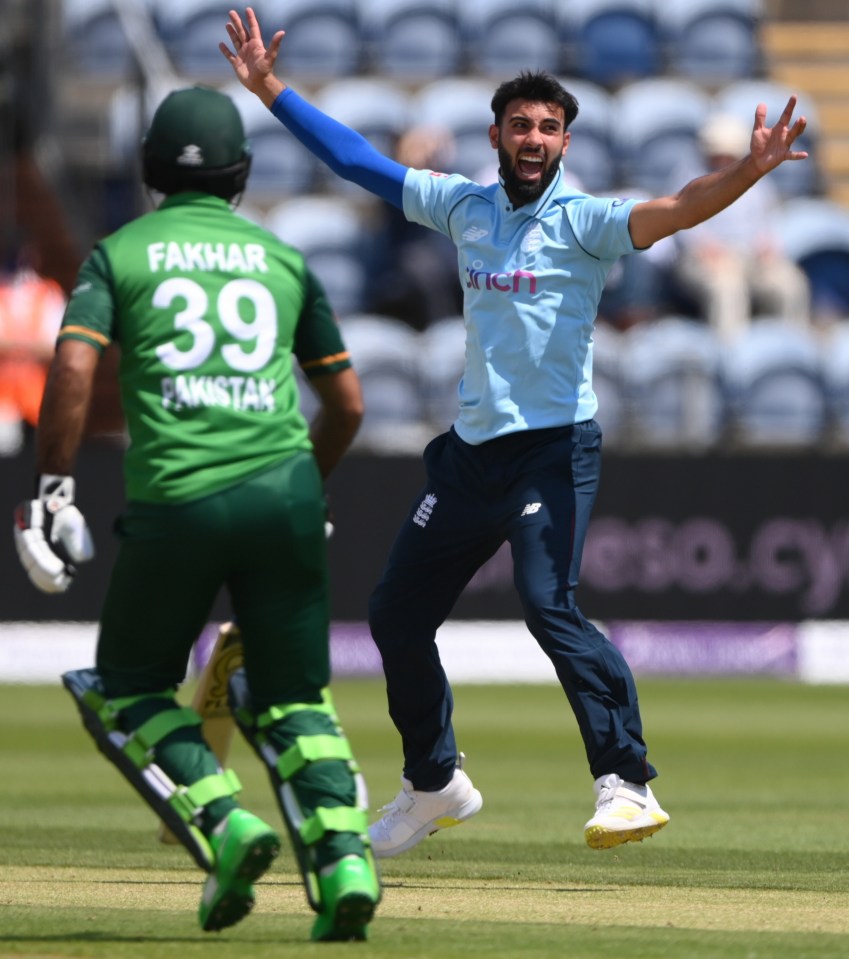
(520, 191)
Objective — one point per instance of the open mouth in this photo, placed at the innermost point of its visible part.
(529, 165)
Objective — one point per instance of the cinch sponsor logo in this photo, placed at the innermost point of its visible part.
(503, 282)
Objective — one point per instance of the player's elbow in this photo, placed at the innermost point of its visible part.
(342, 402)
(345, 420)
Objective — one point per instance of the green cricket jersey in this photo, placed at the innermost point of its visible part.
(208, 310)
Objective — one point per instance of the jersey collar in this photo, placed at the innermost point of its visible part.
(538, 209)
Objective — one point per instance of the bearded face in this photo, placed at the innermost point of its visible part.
(530, 141)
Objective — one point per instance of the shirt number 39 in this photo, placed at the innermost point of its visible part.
(256, 339)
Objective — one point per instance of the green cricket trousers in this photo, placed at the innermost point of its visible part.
(263, 541)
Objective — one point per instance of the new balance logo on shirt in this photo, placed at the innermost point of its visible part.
(530, 509)
(475, 233)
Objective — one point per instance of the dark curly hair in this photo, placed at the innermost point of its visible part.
(538, 87)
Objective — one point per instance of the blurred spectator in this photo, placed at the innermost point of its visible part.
(31, 309)
(415, 276)
(731, 264)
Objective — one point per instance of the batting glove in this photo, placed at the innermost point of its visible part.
(51, 535)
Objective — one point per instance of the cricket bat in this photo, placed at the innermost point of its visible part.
(210, 700)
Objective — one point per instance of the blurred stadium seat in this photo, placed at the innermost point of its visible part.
(776, 391)
(95, 37)
(467, 120)
(711, 41)
(281, 166)
(611, 42)
(590, 155)
(329, 232)
(384, 352)
(191, 31)
(608, 385)
(504, 37)
(836, 378)
(411, 40)
(672, 368)
(324, 38)
(814, 232)
(441, 357)
(655, 125)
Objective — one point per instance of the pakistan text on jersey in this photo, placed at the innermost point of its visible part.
(240, 393)
(185, 257)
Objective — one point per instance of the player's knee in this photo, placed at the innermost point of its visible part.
(391, 626)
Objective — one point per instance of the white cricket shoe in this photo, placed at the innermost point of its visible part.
(624, 812)
(414, 814)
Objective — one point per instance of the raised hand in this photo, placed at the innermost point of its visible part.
(771, 146)
(253, 62)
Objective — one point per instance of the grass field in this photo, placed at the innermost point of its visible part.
(754, 864)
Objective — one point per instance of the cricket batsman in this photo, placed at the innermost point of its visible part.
(224, 488)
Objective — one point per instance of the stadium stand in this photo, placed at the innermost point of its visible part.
(711, 41)
(191, 31)
(645, 72)
(591, 156)
(503, 37)
(323, 37)
(385, 355)
(776, 391)
(672, 373)
(655, 123)
(441, 351)
(413, 41)
(814, 232)
(95, 37)
(466, 122)
(609, 386)
(835, 364)
(281, 166)
(329, 231)
(611, 42)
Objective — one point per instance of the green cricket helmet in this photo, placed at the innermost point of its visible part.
(196, 141)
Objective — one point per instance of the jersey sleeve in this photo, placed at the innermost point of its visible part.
(318, 341)
(600, 226)
(89, 315)
(430, 197)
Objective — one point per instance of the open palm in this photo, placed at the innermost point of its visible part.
(252, 62)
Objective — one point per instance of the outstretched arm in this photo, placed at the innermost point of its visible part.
(346, 153)
(706, 196)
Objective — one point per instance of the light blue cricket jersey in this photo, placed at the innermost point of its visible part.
(532, 278)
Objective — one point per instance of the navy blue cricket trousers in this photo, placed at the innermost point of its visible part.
(536, 490)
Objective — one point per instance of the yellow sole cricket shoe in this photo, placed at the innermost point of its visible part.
(625, 812)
